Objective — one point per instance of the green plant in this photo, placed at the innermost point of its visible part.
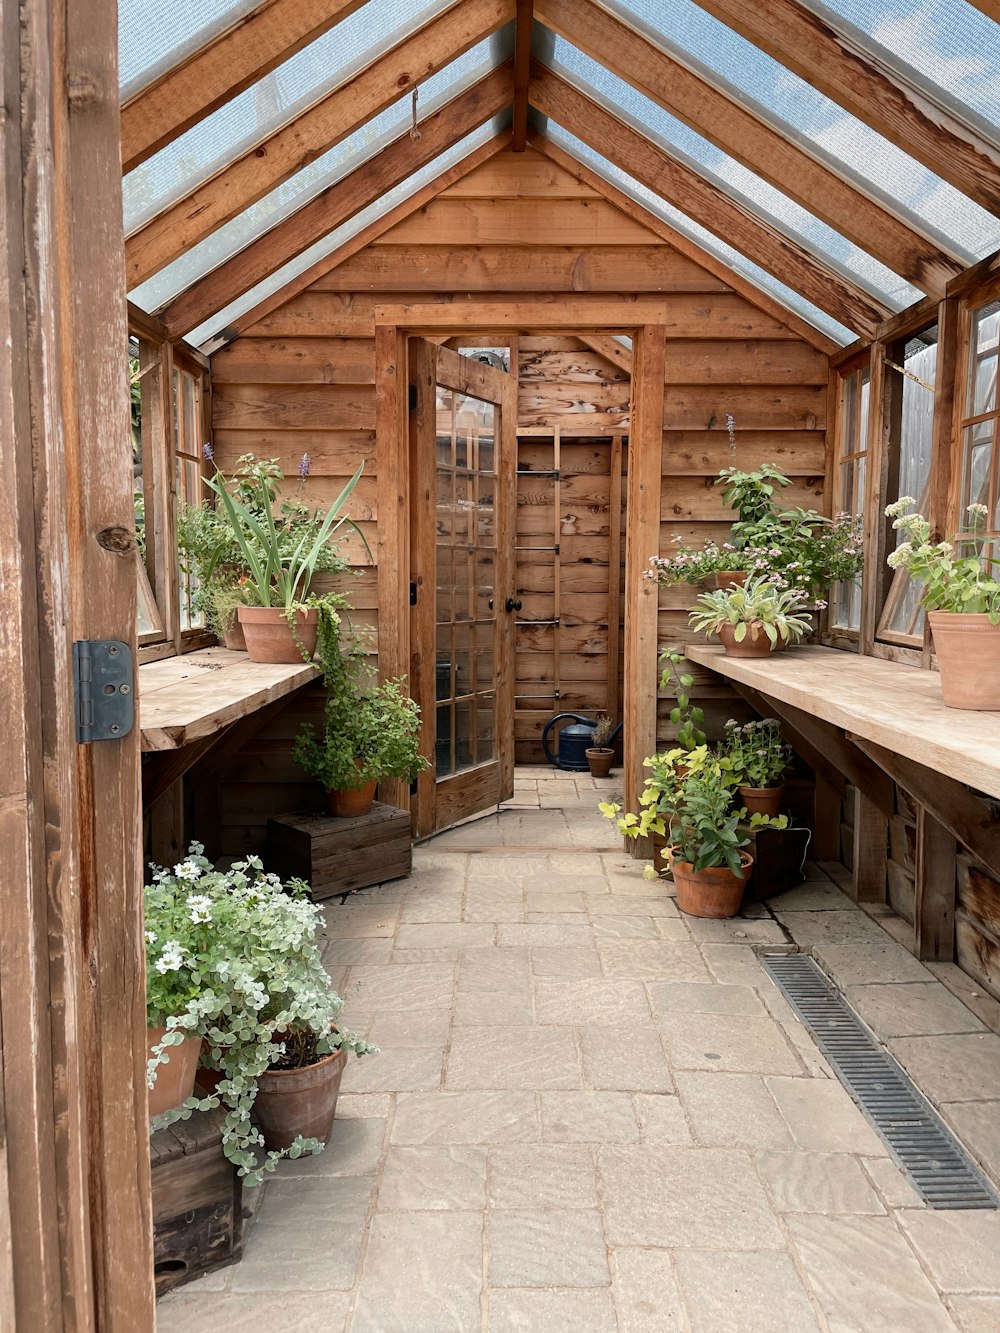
(759, 607)
(602, 732)
(690, 564)
(685, 716)
(952, 582)
(757, 754)
(752, 495)
(221, 600)
(232, 958)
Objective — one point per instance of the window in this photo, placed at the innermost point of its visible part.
(980, 424)
(849, 481)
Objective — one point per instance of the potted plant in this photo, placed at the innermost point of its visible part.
(750, 621)
(685, 716)
(600, 756)
(721, 566)
(281, 553)
(758, 758)
(234, 965)
(962, 597)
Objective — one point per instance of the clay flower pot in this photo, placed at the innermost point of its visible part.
(234, 639)
(348, 802)
(600, 762)
(303, 1101)
(715, 892)
(968, 654)
(730, 578)
(269, 636)
(763, 800)
(749, 647)
(174, 1080)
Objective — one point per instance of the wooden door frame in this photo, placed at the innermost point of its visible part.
(644, 319)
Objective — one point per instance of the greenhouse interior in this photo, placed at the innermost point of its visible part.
(501, 571)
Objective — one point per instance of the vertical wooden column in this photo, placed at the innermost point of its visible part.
(871, 840)
(642, 539)
(826, 821)
(934, 906)
(72, 958)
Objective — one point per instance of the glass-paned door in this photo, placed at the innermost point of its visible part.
(463, 455)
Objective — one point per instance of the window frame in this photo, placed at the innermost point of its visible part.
(842, 635)
(965, 419)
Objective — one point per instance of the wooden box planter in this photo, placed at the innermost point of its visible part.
(335, 855)
(197, 1202)
(778, 857)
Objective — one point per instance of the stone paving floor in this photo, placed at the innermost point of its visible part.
(593, 1115)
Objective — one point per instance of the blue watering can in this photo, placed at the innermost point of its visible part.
(574, 741)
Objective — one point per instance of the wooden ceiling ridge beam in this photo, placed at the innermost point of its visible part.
(739, 131)
(406, 208)
(292, 147)
(364, 186)
(854, 77)
(705, 203)
(221, 69)
(522, 73)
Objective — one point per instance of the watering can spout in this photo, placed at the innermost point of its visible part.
(575, 740)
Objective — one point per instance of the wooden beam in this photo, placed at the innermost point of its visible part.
(522, 73)
(853, 75)
(215, 73)
(806, 747)
(755, 295)
(294, 146)
(537, 314)
(934, 904)
(870, 849)
(702, 201)
(339, 202)
(610, 348)
(363, 238)
(732, 126)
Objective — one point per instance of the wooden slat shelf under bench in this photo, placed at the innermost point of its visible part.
(186, 698)
(893, 706)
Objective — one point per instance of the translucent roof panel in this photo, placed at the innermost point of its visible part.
(682, 223)
(307, 183)
(829, 132)
(288, 272)
(734, 179)
(273, 101)
(148, 45)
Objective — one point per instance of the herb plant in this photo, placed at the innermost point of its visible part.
(963, 584)
(757, 754)
(602, 732)
(752, 494)
(759, 607)
(685, 716)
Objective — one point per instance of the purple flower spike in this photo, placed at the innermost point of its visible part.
(208, 453)
(303, 467)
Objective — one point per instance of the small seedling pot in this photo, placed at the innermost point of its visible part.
(600, 762)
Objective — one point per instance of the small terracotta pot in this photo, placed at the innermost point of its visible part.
(600, 762)
(763, 800)
(968, 655)
(269, 636)
(234, 639)
(351, 801)
(749, 647)
(290, 1102)
(174, 1080)
(715, 892)
(730, 578)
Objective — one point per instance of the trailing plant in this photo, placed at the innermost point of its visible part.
(757, 754)
(602, 732)
(963, 584)
(759, 607)
(685, 716)
(689, 564)
(232, 958)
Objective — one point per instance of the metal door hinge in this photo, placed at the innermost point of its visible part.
(413, 594)
(103, 689)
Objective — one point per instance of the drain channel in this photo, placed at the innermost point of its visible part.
(940, 1169)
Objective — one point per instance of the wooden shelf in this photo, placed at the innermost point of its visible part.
(896, 707)
(186, 698)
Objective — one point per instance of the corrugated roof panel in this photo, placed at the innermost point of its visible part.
(148, 45)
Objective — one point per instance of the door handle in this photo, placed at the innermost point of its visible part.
(513, 604)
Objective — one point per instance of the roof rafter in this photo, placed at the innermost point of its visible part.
(294, 146)
(905, 114)
(705, 203)
(522, 72)
(757, 296)
(737, 130)
(406, 208)
(217, 72)
(991, 8)
(386, 170)
(614, 352)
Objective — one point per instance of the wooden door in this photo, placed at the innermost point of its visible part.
(463, 454)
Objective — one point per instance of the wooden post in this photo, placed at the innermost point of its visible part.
(642, 539)
(934, 907)
(72, 959)
(871, 841)
(826, 821)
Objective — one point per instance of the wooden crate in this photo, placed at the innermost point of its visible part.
(334, 855)
(778, 858)
(197, 1201)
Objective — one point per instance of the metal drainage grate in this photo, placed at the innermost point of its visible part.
(939, 1167)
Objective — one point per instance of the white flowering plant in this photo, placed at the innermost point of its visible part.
(232, 958)
(965, 584)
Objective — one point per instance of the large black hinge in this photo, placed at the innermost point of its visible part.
(104, 689)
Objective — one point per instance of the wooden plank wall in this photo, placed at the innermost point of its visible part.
(302, 378)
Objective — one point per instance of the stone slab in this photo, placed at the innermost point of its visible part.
(952, 1069)
(731, 1111)
(764, 1288)
(421, 1271)
(812, 1182)
(465, 1118)
(822, 1117)
(543, 1176)
(731, 1042)
(532, 1248)
(433, 1178)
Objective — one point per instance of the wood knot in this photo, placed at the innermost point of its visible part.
(403, 81)
(82, 91)
(119, 541)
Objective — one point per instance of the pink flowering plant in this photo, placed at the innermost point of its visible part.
(953, 581)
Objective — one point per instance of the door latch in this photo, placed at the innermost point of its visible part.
(104, 690)
(513, 604)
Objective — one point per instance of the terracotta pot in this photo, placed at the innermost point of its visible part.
(269, 636)
(763, 800)
(750, 647)
(174, 1080)
(234, 639)
(730, 578)
(968, 654)
(715, 892)
(600, 762)
(298, 1101)
(350, 801)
